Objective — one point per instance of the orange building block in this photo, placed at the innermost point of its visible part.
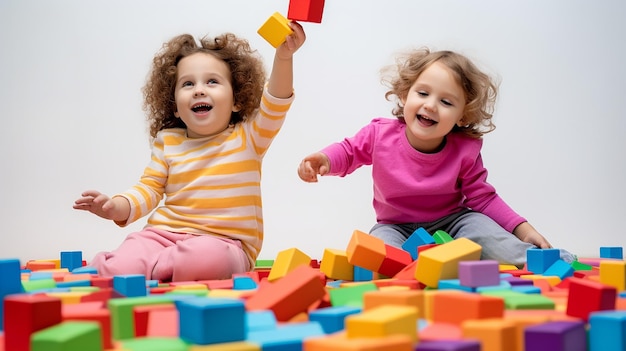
(457, 308)
(521, 321)
(340, 342)
(493, 334)
(442, 262)
(366, 251)
(413, 298)
(290, 295)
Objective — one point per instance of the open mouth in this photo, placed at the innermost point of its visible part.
(425, 120)
(201, 108)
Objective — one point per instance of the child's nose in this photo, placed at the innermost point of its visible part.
(199, 91)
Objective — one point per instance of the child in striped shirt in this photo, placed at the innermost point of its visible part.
(212, 118)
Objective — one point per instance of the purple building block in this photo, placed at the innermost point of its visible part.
(449, 345)
(556, 336)
(479, 273)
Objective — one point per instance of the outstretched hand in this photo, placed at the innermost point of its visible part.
(102, 205)
(313, 165)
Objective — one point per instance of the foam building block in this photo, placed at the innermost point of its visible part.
(607, 330)
(306, 10)
(122, 316)
(335, 265)
(156, 320)
(383, 321)
(538, 260)
(616, 252)
(350, 295)
(449, 345)
(332, 318)
(68, 336)
(442, 237)
(286, 261)
(587, 296)
(206, 321)
(130, 285)
(243, 283)
(28, 314)
(494, 334)
(613, 273)
(361, 274)
(411, 298)
(93, 312)
(556, 336)
(285, 337)
(260, 320)
(153, 344)
(275, 29)
(479, 273)
(394, 261)
(288, 296)
(442, 262)
(71, 260)
(456, 308)
(228, 346)
(418, 238)
(559, 269)
(10, 282)
(340, 342)
(366, 251)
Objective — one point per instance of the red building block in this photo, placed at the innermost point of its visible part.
(26, 314)
(290, 295)
(586, 296)
(306, 10)
(91, 311)
(395, 260)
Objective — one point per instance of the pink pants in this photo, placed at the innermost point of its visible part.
(167, 256)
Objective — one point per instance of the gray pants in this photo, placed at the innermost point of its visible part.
(497, 243)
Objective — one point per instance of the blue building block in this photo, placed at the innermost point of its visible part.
(611, 252)
(332, 318)
(10, 282)
(285, 337)
(607, 330)
(244, 283)
(71, 260)
(85, 270)
(504, 285)
(260, 320)
(538, 260)
(362, 274)
(454, 284)
(206, 320)
(73, 283)
(526, 289)
(559, 269)
(419, 237)
(130, 285)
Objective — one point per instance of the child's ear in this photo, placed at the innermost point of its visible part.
(176, 114)
(236, 108)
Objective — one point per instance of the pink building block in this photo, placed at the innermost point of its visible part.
(475, 274)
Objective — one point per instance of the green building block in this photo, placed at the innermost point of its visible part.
(350, 295)
(514, 300)
(122, 319)
(442, 237)
(155, 344)
(39, 284)
(68, 336)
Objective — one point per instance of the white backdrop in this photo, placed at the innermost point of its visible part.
(71, 73)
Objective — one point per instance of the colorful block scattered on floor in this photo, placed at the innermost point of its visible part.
(480, 305)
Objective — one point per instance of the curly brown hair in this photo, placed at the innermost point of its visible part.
(480, 90)
(247, 77)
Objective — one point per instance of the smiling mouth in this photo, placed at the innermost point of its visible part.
(425, 120)
(202, 108)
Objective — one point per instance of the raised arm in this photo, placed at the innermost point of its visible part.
(280, 84)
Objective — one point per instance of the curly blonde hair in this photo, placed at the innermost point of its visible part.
(247, 77)
(480, 90)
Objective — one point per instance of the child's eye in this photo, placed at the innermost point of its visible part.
(446, 102)
(187, 84)
(212, 81)
(422, 93)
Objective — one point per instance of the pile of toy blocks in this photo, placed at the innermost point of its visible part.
(433, 294)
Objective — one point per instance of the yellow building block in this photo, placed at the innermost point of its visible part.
(366, 251)
(521, 322)
(335, 265)
(383, 321)
(411, 298)
(286, 261)
(494, 334)
(551, 279)
(613, 273)
(442, 261)
(339, 341)
(228, 346)
(275, 29)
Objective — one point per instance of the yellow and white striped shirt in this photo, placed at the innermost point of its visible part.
(211, 185)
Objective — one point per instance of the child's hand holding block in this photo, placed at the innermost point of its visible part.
(275, 30)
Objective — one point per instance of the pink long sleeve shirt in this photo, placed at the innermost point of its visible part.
(414, 187)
